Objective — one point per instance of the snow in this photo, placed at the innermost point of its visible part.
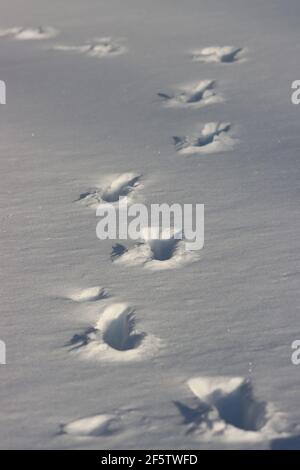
(90, 293)
(91, 426)
(197, 94)
(212, 138)
(226, 54)
(24, 34)
(98, 47)
(114, 338)
(75, 121)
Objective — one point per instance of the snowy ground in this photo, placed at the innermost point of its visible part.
(82, 110)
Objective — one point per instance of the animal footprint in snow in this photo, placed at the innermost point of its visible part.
(99, 47)
(155, 252)
(226, 409)
(24, 34)
(225, 54)
(92, 426)
(194, 95)
(214, 137)
(127, 419)
(114, 337)
(123, 185)
(90, 294)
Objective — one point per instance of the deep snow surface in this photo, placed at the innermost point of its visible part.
(89, 104)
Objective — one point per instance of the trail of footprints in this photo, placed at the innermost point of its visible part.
(223, 408)
(97, 47)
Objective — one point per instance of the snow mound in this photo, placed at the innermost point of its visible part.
(89, 294)
(98, 425)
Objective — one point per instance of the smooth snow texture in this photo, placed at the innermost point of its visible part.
(24, 34)
(98, 47)
(194, 95)
(225, 54)
(214, 137)
(98, 425)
